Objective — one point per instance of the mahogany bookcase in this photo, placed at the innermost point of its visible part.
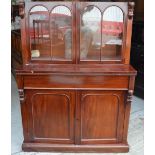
(75, 82)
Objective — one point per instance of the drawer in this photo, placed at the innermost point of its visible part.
(75, 82)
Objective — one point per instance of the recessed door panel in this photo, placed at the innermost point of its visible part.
(100, 113)
(52, 115)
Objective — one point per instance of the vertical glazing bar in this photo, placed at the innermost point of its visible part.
(101, 38)
(34, 33)
(38, 31)
(78, 25)
(73, 47)
(50, 35)
(42, 31)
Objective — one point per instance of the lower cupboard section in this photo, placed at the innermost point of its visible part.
(66, 117)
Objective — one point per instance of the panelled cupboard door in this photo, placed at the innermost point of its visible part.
(102, 114)
(50, 116)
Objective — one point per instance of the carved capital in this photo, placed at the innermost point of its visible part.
(21, 8)
(129, 97)
(131, 6)
(21, 94)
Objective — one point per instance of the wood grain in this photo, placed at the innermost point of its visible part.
(74, 106)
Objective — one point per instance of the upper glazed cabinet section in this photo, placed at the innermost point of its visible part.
(77, 32)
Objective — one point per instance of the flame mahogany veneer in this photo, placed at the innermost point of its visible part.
(75, 106)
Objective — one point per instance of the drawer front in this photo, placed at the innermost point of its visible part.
(76, 82)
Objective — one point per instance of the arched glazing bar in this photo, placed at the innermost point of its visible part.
(61, 33)
(90, 36)
(112, 33)
(39, 32)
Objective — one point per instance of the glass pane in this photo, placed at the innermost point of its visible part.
(61, 33)
(90, 34)
(39, 33)
(112, 33)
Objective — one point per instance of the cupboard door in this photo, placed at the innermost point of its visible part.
(102, 115)
(50, 116)
(50, 32)
(102, 31)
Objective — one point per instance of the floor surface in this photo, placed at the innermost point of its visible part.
(135, 136)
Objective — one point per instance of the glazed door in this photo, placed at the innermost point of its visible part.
(101, 32)
(49, 115)
(101, 116)
(50, 32)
